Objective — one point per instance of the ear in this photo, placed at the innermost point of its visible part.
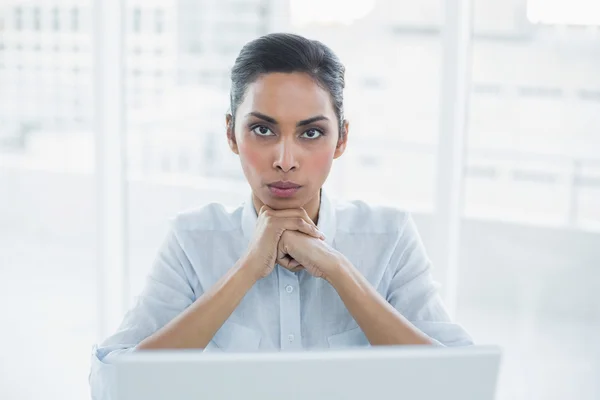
(342, 141)
(231, 134)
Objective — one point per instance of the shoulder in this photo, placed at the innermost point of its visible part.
(209, 217)
(357, 216)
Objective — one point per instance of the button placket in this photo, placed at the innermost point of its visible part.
(289, 310)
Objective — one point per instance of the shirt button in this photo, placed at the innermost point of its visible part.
(291, 338)
(289, 288)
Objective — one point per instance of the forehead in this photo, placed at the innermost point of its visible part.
(294, 96)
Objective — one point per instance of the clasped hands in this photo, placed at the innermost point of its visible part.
(291, 239)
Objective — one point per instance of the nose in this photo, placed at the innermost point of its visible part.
(285, 159)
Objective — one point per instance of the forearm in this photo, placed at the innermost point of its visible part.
(380, 322)
(196, 326)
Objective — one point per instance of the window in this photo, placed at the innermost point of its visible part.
(195, 47)
(56, 19)
(18, 18)
(51, 252)
(75, 19)
(563, 12)
(37, 19)
(137, 20)
(159, 21)
(530, 134)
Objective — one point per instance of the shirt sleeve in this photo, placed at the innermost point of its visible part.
(413, 292)
(168, 292)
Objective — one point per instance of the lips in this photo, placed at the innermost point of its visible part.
(283, 189)
(284, 185)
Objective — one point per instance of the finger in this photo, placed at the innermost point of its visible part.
(287, 262)
(298, 268)
(263, 209)
(292, 264)
(283, 261)
(298, 224)
(296, 213)
(304, 216)
(281, 253)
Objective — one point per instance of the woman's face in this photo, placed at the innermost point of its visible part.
(286, 134)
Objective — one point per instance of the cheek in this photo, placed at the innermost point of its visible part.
(253, 159)
(320, 161)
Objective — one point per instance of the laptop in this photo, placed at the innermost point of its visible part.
(399, 372)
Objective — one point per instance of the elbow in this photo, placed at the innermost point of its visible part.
(102, 376)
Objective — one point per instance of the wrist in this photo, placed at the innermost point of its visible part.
(247, 266)
(337, 270)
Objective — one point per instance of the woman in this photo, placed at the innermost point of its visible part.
(289, 269)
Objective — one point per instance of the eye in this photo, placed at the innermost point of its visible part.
(262, 130)
(312, 134)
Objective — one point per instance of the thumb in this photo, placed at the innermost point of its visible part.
(281, 247)
(263, 209)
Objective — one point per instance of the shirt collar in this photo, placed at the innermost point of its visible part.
(326, 224)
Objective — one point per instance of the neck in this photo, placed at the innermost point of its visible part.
(311, 207)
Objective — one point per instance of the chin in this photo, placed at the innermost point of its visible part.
(278, 203)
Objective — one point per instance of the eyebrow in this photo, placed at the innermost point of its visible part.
(300, 123)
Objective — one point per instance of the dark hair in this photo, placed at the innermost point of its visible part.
(286, 52)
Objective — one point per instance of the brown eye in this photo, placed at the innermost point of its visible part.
(262, 130)
(312, 134)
